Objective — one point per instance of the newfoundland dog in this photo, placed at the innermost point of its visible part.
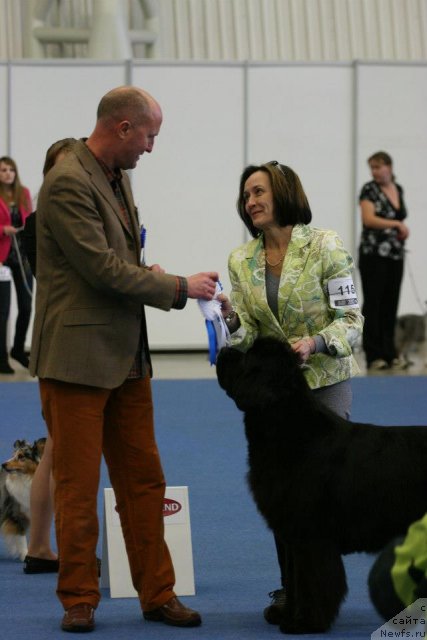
(325, 486)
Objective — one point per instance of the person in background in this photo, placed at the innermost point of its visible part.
(15, 207)
(293, 282)
(381, 261)
(90, 352)
(56, 152)
(398, 577)
(40, 557)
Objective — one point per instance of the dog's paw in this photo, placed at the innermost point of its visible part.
(16, 546)
(299, 626)
(23, 554)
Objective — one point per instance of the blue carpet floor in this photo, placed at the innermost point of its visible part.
(202, 444)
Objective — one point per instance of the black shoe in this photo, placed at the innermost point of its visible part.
(5, 367)
(273, 613)
(43, 565)
(40, 565)
(21, 357)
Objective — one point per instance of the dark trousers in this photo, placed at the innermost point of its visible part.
(86, 422)
(381, 281)
(24, 308)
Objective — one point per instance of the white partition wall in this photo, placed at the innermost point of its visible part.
(322, 120)
(301, 115)
(4, 95)
(392, 116)
(50, 101)
(186, 191)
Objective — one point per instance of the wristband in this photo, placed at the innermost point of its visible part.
(229, 319)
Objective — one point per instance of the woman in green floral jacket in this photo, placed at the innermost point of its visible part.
(293, 282)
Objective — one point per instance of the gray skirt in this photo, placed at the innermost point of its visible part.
(337, 397)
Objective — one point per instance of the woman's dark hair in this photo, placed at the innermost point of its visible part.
(60, 146)
(290, 202)
(381, 156)
(384, 158)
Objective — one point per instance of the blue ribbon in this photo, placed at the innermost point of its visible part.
(213, 344)
(143, 236)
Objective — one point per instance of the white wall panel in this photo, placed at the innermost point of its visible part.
(302, 116)
(4, 97)
(186, 191)
(50, 101)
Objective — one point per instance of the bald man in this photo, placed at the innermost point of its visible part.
(90, 352)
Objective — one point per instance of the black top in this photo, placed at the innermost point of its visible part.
(382, 242)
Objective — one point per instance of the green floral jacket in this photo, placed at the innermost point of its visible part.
(315, 258)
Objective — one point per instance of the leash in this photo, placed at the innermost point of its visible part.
(422, 306)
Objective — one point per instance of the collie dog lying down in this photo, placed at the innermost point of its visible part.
(16, 476)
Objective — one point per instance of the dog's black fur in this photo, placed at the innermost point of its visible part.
(325, 486)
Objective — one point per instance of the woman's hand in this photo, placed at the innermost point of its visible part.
(372, 221)
(304, 348)
(402, 230)
(8, 230)
(226, 307)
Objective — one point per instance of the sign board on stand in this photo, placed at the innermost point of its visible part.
(115, 572)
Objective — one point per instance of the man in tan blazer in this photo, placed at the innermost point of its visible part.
(90, 352)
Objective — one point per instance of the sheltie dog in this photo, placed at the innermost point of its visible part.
(16, 476)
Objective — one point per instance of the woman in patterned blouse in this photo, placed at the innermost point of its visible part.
(381, 257)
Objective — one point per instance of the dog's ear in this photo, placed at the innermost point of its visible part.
(18, 444)
(38, 448)
(228, 366)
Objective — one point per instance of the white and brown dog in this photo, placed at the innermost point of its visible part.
(16, 476)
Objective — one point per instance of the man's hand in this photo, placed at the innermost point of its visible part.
(202, 285)
(156, 268)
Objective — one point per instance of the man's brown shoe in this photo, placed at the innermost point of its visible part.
(174, 613)
(79, 618)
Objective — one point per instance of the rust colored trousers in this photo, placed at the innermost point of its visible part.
(86, 422)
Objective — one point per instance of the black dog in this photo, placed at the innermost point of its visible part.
(325, 486)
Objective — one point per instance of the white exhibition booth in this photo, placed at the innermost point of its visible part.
(323, 120)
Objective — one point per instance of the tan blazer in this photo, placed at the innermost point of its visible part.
(91, 287)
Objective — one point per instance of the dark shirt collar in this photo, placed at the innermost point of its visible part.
(113, 175)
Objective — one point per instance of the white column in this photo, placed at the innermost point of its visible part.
(109, 37)
(35, 12)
